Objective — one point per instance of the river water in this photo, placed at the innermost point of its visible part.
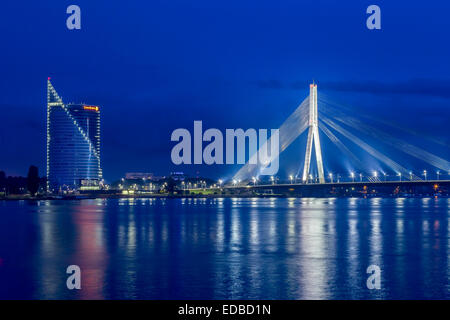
(249, 248)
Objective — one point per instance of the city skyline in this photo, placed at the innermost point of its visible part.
(143, 84)
(81, 121)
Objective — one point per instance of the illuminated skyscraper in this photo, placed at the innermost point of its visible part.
(73, 144)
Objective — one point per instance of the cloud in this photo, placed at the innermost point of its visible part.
(426, 87)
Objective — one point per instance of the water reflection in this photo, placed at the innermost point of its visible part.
(236, 248)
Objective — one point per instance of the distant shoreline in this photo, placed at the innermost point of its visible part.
(165, 196)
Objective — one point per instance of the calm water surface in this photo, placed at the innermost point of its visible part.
(225, 248)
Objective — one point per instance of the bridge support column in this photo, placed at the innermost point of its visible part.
(313, 137)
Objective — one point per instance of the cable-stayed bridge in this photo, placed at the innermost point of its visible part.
(347, 132)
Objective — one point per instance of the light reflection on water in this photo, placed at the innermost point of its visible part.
(235, 248)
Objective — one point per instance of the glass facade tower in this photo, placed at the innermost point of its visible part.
(73, 144)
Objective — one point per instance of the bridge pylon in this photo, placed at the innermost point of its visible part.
(313, 137)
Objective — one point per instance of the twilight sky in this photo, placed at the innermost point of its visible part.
(154, 66)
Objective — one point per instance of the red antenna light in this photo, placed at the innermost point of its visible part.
(48, 78)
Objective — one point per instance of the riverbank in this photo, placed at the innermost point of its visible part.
(200, 196)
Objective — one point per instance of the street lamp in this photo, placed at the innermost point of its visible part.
(400, 176)
(437, 173)
(254, 181)
(234, 182)
(410, 176)
(310, 178)
(331, 177)
(375, 175)
(384, 173)
(290, 178)
(360, 177)
(425, 174)
(220, 182)
(352, 174)
(272, 179)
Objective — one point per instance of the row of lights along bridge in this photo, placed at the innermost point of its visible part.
(353, 177)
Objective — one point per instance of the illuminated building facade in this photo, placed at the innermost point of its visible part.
(138, 175)
(73, 144)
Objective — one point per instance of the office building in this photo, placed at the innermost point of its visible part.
(73, 144)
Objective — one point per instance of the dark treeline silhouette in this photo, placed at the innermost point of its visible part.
(33, 180)
(19, 185)
(2, 182)
(171, 184)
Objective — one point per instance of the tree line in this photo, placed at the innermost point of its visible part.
(30, 184)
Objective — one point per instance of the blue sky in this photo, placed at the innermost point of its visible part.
(154, 66)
